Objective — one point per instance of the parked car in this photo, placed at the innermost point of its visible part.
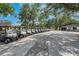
(8, 36)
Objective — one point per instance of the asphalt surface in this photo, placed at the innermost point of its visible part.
(52, 43)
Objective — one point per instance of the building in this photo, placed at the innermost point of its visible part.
(70, 27)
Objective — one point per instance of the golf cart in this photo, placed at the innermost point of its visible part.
(7, 35)
(21, 31)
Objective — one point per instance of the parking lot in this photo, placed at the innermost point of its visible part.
(52, 43)
(18, 48)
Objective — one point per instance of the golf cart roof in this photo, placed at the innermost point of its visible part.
(5, 25)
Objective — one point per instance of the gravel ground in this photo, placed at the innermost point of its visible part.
(52, 43)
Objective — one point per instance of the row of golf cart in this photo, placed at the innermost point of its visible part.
(17, 32)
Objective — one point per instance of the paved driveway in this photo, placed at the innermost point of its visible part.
(56, 43)
(52, 43)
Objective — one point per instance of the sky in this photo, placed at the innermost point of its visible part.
(13, 19)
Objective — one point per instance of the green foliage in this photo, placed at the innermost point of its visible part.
(6, 9)
(63, 20)
(28, 14)
(61, 13)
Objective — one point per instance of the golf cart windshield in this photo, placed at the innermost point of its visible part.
(10, 31)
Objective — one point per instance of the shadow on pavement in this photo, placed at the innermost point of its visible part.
(60, 45)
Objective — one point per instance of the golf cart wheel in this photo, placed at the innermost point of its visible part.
(21, 36)
(16, 38)
(7, 40)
